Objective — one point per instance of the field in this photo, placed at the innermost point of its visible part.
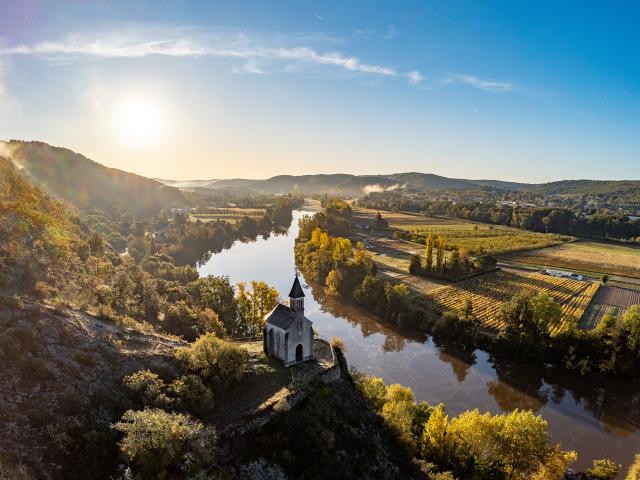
(489, 292)
(609, 301)
(226, 214)
(586, 256)
(492, 239)
(472, 236)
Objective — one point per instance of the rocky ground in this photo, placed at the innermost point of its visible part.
(60, 385)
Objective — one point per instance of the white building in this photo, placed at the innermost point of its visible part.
(288, 334)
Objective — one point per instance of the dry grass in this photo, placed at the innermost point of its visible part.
(586, 256)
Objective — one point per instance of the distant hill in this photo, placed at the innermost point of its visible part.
(625, 191)
(87, 184)
(346, 184)
(429, 181)
(626, 188)
(502, 185)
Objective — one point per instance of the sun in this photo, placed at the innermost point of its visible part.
(138, 121)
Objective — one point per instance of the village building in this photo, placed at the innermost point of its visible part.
(288, 334)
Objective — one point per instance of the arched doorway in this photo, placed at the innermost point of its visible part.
(299, 353)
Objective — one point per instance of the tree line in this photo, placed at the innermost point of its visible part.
(597, 225)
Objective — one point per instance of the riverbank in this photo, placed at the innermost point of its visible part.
(595, 416)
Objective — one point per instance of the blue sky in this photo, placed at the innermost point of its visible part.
(525, 91)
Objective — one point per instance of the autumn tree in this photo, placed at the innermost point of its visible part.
(429, 252)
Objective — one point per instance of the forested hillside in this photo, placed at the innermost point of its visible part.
(88, 184)
(40, 238)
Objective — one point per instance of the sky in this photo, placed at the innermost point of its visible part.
(514, 90)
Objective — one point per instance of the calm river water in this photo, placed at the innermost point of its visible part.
(598, 418)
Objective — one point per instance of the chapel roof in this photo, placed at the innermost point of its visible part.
(296, 289)
(281, 316)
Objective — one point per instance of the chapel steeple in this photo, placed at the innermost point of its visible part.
(296, 296)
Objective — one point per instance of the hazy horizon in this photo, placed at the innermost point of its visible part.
(525, 93)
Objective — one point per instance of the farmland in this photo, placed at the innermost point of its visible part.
(609, 301)
(471, 236)
(226, 214)
(586, 256)
(489, 292)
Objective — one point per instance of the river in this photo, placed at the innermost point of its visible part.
(597, 417)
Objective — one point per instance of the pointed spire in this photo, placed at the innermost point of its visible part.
(296, 289)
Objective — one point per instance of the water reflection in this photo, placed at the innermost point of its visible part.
(596, 416)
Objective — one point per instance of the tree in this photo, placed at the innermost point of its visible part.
(158, 443)
(434, 437)
(634, 470)
(374, 390)
(415, 265)
(518, 442)
(216, 293)
(252, 306)
(334, 282)
(399, 393)
(631, 328)
(429, 252)
(440, 255)
(214, 359)
(399, 415)
(604, 469)
(547, 312)
(180, 319)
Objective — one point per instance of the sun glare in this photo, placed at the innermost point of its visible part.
(138, 122)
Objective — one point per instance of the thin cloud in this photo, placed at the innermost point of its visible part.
(76, 48)
(248, 67)
(415, 77)
(481, 84)
(319, 17)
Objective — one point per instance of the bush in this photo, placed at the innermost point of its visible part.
(148, 389)
(157, 443)
(214, 359)
(604, 469)
(192, 394)
(338, 344)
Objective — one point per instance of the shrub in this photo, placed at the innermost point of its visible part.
(338, 344)
(192, 394)
(214, 359)
(604, 469)
(148, 389)
(157, 443)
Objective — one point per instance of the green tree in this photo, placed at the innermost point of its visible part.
(547, 312)
(415, 265)
(440, 255)
(180, 319)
